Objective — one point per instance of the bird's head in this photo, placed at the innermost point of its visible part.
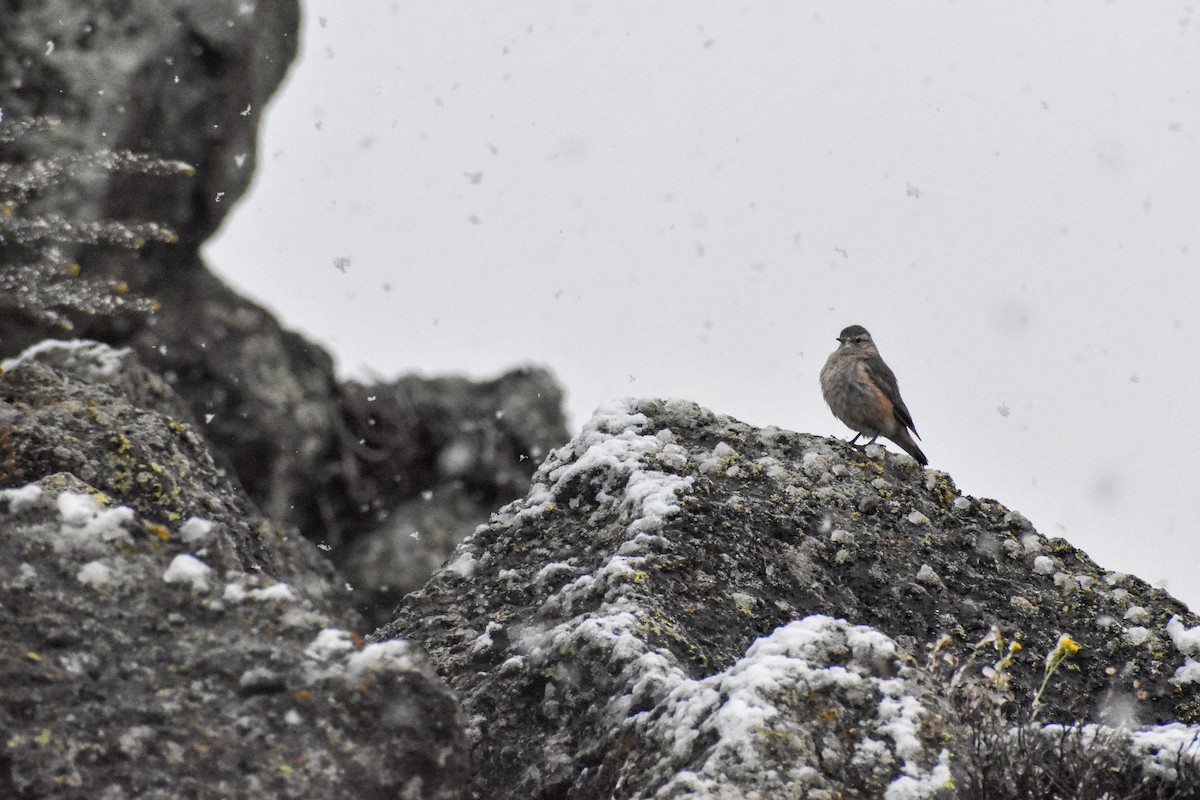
(855, 337)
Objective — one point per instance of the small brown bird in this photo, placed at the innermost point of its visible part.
(862, 392)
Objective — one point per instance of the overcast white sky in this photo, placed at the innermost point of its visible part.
(691, 199)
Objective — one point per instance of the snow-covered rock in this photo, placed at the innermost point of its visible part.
(687, 606)
(161, 632)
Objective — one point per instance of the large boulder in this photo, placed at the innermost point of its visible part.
(188, 80)
(162, 637)
(182, 79)
(687, 606)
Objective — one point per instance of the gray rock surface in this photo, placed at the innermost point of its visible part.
(428, 460)
(682, 606)
(164, 639)
(188, 80)
(92, 411)
(176, 78)
(686, 606)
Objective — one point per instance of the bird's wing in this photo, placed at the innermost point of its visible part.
(885, 379)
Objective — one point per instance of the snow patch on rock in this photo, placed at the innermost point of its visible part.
(738, 713)
(1186, 640)
(21, 498)
(613, 455)
(335, 654)
(330, 642)
(394, 655)
(185, 568)
(237, 592)
(196, 531)
(91, 361)
(95, 574)
(84, 519)
(1161, 748)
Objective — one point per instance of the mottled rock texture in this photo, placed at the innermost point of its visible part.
(189, 80)
(182, 79)
(605, 633)
(425, 461)
(682, 605)
(162, 638)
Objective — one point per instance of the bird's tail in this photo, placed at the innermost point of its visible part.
(905, 441)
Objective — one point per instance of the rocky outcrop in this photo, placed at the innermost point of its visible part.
(168, 630)
(682, 606)
(188, 81)
(86, 409)
(686, 606)
(170, 79)
(162, 637)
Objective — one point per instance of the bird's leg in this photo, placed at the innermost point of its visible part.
(855, 439)
(873, 438)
